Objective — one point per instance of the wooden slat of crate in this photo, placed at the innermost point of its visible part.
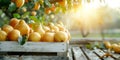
(90, 55)
(12, 57)
(100, 53)
(78, 54)
(70, 54)
(10, 46)
(43, 58)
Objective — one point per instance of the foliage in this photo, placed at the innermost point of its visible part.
(22, 40)
(8, 10)
(93, 45)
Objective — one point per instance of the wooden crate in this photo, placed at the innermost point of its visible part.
(37, 50)
(7, 57)
(16, 57)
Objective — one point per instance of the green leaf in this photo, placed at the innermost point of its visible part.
(102, 46)
(57, 9)
(88, 46)
(29, 6)
(4, 3)
(25, 15)
(41, 1)
(42, 19)
(34, 18)
(1, 12)
(16, 15)
(12, 7)
(63, 9)
(22, 40)
(47, 3)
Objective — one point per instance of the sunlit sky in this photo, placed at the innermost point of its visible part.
(97, 3)
(90, 15)
(113, 3)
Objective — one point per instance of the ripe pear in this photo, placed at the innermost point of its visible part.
(33, 13)
(14, 35)
(14, 22)
(55, 28)
(61, 23)
(48, 37)
(107, 44)
(50, 24)
(23, 27)
(116, 48)
(61, 28)
(3, 35)
(35, 37)
(39, 29)
(114, 45)
(24, 9)
(7, 28)
(61, 36)
(68, 33)
(31, 30)
(46, 28)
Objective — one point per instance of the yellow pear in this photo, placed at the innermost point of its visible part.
(14, 22)
(46, 28)
(68, 33)
(14, 35)
(23, 27)
(7, 28)
(116, 48)
(50, 24)
(19, 3)
(61, 23)
(107, 44)
(55, 28)
(31, 30)
(35, 37)
(61, 28)
(39, 29)
(3, 35)
(48, 37)
(114, 45)
(33, 13)
(61, 36)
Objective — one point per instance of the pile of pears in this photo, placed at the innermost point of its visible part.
(113, 46)
(35, 32)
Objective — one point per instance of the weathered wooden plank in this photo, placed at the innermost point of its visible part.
(100, 53)
(12, 57)
(116, 55)
(70, 55)
(43, 58)
(78, 54)
(90, 54)
(10, 46)
(64, 53)
(3, 53)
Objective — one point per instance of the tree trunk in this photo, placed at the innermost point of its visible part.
(84, 33)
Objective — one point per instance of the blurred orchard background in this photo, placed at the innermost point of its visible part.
(99, 19)
(94, 19)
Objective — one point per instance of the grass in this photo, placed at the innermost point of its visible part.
(106, 35)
